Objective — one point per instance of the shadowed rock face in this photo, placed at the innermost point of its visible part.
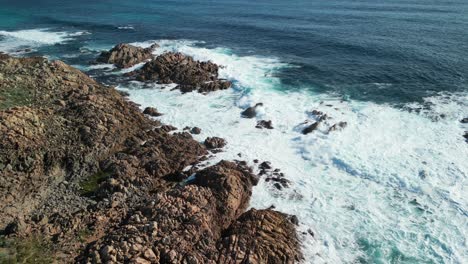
(81, 166)
(126, 55)
(190, 75)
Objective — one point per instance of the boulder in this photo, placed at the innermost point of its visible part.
(195, 130)
(215, 142)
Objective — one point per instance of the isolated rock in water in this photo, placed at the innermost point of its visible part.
(251, 111)
(464, 120)
(125, 55)
(195, 130)
(215, 142)
(264, 124)
(339, 125)
(189, 74)
(261, 236)
(151, 111)
(266, 165)
(310, 128)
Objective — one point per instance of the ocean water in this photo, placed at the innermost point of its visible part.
(391, 187)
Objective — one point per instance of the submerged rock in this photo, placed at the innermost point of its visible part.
(339, 125)
(125, 55)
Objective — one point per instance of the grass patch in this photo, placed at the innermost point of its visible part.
(27, 250)
(16, 96)
(84, 234)
(91, 184)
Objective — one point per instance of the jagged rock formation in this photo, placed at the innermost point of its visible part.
(82, 168)
(190, 75)
(125, 55)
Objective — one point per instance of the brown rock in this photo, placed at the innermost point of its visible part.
(195, 130)
(260, 236)
(151, 111)
(190, 219)
(178, 68)
(215, 142)
(126, 55)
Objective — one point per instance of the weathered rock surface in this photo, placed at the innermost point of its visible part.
(84, 169)
(125, 55)
(215, 142)
(183, 224)
(190, 75)
(70, 130)
(260, 236)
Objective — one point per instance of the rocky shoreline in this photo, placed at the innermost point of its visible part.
(87, 177)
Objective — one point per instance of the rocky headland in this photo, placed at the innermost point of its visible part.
(87, 177)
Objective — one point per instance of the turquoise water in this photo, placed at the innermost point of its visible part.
(389, 188)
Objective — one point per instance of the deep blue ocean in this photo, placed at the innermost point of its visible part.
(415, 47)
(391, 187)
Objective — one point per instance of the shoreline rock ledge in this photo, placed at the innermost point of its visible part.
(86, 177)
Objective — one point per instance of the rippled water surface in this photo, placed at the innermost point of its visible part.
(391, 187)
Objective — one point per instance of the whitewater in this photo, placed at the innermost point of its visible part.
(390, 187)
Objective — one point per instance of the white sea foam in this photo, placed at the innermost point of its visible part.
(11, 41)
(126, 27)
(390, 187)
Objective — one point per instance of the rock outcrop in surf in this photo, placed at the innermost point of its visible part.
(251, 112)
(189, 74)
(126, 55)
(86, 177)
